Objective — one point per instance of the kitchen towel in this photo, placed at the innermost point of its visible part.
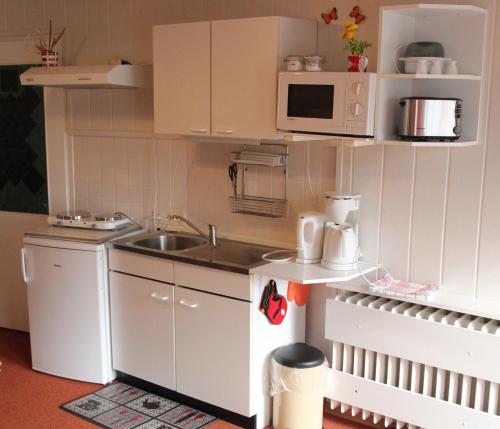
(298, 292)
(387, 285)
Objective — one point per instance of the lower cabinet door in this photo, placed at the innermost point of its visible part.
(213, 349)
(142, 328)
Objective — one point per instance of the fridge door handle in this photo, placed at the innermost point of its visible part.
(23, 265)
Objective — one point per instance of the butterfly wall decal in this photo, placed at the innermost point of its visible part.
(330, 16)
(356, 14)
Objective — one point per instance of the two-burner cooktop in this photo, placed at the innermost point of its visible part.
(84, 219)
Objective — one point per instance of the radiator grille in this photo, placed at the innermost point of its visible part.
(439, 383)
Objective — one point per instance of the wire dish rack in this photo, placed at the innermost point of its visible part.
(258, 205)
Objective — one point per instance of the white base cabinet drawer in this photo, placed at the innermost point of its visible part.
(142, 328)
(214, 281)
(212, 336)
(141, 265)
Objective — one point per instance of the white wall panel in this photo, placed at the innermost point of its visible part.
(396, 209)
(488, 267)
(35, 14)
(462, 215)
(428, 213)
(14, 16)
(123, 109)
(143, 110)
(98, 38)
(261, 7)
(367, 182)
(100, 110)
(120, 25)
(75, 46)
(79, 105)
(56, 11)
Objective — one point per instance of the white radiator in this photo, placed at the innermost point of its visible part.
(411, 365)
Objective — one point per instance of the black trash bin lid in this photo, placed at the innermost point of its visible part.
(299, 355)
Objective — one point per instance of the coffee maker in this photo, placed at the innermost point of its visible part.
(340, 247)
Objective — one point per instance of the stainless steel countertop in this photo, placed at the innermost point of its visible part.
(229, 255)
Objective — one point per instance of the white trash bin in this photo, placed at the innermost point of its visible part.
(299, 375)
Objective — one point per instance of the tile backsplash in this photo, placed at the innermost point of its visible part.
(114, 175)
(188, 178)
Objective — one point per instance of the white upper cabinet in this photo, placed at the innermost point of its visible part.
(220, 78)
(181, 64)
(244, 70)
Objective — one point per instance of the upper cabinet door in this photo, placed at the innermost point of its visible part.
(244, 77)
(181, 58)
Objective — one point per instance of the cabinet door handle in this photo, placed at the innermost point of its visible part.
(23, 265)
(199, 130)
(224, 131)
(188, 304)
(158, 297)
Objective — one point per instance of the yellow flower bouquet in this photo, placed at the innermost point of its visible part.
(353, 46)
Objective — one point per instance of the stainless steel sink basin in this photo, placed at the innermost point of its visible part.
(228, 255)
(229, 252)
(169, 242)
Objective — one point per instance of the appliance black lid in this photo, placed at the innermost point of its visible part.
(299, 355)
(431, 98)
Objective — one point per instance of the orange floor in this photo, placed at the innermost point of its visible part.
(29, 399)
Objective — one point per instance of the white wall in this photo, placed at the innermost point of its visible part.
(13, 302)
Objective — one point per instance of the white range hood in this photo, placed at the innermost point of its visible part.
(101, 76)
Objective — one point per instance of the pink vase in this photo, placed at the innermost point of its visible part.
(357, 63)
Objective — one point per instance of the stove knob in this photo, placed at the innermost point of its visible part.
(357, 109)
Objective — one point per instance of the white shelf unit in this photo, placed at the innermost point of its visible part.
(443, 299)
(328, 139)
(458, 143)
(401, 25)
(311, 274)
(431, 76)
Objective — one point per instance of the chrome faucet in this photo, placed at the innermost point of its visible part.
(211, 237)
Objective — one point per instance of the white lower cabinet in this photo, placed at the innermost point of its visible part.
(218, 346)
(212, 348)
(142, 328)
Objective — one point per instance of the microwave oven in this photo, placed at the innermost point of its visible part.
(332, 103)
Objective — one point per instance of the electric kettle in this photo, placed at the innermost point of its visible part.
(310, 229)
(340, 250)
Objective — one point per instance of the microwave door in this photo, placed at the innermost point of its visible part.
(313, 107)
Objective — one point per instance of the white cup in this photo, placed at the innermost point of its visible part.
(451, 67)
(436, 67)
(421, 67)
